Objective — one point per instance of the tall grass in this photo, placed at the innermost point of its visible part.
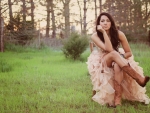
(44, 81)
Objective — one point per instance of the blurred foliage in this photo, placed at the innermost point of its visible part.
(74, 46)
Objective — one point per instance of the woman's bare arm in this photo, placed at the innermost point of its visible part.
(107, 46)
(125, 44)
(97, 41)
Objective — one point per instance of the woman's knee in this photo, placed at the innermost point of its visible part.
(113, 54)
(110, 57)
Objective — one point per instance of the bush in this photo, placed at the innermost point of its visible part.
(74, 46)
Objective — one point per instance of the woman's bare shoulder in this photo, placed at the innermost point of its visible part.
(120, 33)
(94, 35)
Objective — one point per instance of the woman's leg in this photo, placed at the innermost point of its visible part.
(115, 57)
(117, 84)
(118, 74)
(109, 58)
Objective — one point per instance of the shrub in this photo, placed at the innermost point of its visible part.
(74, 46)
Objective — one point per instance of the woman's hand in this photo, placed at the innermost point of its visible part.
(99, 28)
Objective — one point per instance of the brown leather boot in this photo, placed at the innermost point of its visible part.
(139, 79)
(118, 93)
(94, 92)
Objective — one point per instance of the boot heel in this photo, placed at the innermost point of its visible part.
(145, 81)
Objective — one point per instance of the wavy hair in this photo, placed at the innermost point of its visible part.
(113, 31)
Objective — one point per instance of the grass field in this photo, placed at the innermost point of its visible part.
(44, 81)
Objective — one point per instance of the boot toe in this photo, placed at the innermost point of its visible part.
(145, 81)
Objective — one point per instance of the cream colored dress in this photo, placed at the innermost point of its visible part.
(102, 78)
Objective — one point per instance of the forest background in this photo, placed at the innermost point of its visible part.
(23, 21)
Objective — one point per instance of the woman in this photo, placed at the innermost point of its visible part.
(114, 73)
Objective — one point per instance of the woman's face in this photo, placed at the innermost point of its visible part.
(105, 22)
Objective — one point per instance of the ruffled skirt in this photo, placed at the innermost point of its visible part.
(102, 78)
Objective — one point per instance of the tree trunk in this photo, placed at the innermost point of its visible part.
(137, 17)
(1, 33)
(10, 16)
(48, 19)
(67, 18)
(95, 9)
(32, 13)
(80, 15)
(84, 18)
(100, 5)
(130, 19)
(1, 30)
(24, 14)
(149, 36)
(147, 14)
(53, 20)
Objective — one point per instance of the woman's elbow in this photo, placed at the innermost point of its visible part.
(130, 54)
(109, 50)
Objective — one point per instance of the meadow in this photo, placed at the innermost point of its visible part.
(44, 81)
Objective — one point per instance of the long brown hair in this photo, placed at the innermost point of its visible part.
(113, 31)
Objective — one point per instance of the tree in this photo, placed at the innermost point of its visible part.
(50, 13)
(1, 34)
(100, 5)
(1, 29)
(146, 13)
(84, 17)
(10, 15)
(66, 14)
(48, 18)
(81, 20)
(53, 19)
(32, 12)
(24, 13)
(95, 1)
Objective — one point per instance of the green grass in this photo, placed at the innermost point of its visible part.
(44, 81)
